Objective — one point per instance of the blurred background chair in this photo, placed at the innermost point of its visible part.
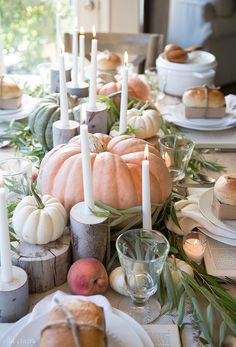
(143, 49)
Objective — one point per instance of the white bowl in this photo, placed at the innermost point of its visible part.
(175, 78)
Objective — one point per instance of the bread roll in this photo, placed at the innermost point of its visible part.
(9, 89)
(225, 189)
(108, 60)
(203, 97)
(86, 314)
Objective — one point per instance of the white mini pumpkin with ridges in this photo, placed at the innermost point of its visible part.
(146, 122)
(39, 220)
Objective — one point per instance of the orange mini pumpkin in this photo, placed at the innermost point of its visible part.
(117, 173)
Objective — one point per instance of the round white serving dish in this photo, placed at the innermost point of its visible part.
(175, 78)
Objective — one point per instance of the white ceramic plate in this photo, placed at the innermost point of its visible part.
(146, 340)
(120, 332)
(222, 239)
(27, 106)
(176, 115)
(205, 206)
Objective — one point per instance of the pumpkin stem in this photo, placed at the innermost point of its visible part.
(143, 107)
(37, 197)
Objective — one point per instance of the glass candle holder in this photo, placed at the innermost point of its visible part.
(17, 173)
(154, 83)
(194, 245)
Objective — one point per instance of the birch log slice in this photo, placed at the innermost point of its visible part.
(46, 265)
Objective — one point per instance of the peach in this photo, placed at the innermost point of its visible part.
(87, 276)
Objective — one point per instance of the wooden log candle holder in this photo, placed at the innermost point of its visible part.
(63, 134)
(97, 118)
(14, 296)
(54, 79)
(89, 233)
(80, 91)
(46, 265)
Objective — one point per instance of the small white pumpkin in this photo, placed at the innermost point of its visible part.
(117, 281)
(177, 266)
(147, 122)
(39, 220)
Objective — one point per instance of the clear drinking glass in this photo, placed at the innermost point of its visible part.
(142, 254)
(17, 173)
(153, 80)
(176, 150)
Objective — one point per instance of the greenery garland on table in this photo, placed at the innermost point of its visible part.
(171, 296)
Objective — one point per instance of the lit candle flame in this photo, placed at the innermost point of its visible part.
(83, 113)
(126, 58)
(146, 152)
(81, 30)
(94, 31)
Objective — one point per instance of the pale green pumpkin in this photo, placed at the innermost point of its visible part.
(46, 112)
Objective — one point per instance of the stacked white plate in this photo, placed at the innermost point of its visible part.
(121, 329)
(225, 230)
(176, 114)
(28, 104)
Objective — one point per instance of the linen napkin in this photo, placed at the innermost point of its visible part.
(190, 217)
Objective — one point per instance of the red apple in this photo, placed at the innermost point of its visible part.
(87, 277)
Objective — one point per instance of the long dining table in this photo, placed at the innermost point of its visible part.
(228, 159)
(225, 157)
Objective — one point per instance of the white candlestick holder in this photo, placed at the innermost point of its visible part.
(54, 78)
(62, 134)
(89, 233)
(14, 296)
(81, 90)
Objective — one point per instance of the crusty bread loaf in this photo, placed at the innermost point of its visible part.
(86, 314)
(225, 189)
(203, 97)
(9, 89)
(108, 60)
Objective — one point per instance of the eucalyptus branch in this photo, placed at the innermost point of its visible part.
(21, 137)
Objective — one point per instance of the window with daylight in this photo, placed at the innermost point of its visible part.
(28, 32)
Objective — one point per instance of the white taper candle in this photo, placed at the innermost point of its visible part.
(124, 96)
(81, 54)
(74, 74)
(146, 193)
(6, 263)
(93, 73)
(58, 35)
(86, 162)
(63, 93)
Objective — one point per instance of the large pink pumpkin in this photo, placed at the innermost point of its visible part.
(117, 173)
